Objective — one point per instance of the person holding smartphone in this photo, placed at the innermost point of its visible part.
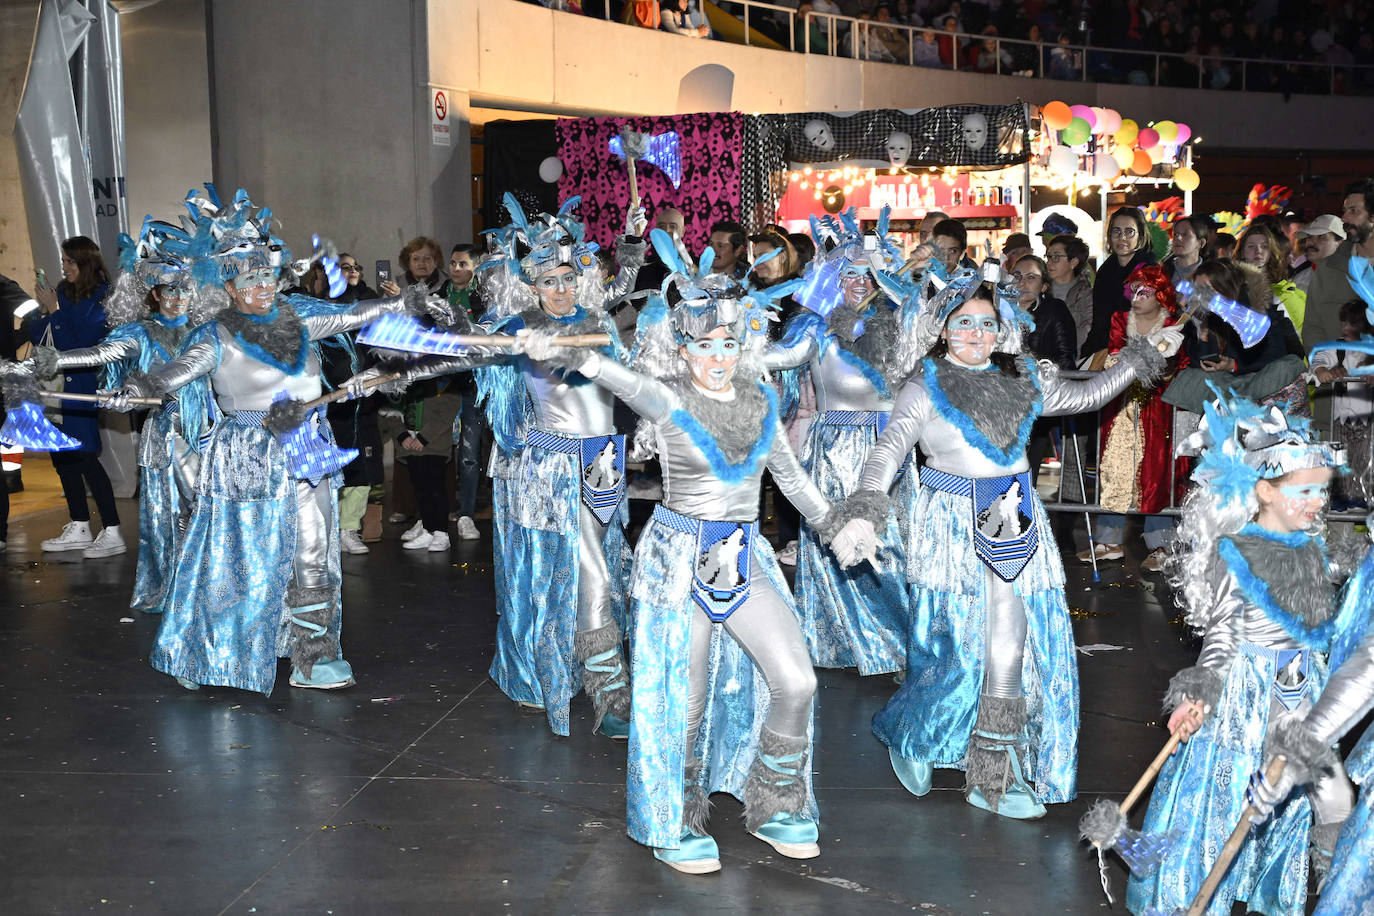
(71, 316)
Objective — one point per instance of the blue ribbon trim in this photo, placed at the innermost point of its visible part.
(706, 443)
(972, 435)
(1256, 591)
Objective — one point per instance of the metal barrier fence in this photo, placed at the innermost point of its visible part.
(893, 42)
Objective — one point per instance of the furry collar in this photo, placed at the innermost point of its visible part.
(579, 321)
(876, 349)
(735, 436)
(1289, 583)
(994, 412)
(166, 337)
(278, 338)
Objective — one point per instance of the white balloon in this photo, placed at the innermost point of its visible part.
(551, 169)
(1063, 161)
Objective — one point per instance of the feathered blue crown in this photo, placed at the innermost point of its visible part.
(1239, 443)
(533, 247)
(839, 245)
(927, 301)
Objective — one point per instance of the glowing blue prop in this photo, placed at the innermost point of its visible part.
(1362, 282)
(1363, 345)
(820, 290)
(309, 454)
(662, 150)
(408, 333)
(27, 427)
(1250, 325)
(337, 283)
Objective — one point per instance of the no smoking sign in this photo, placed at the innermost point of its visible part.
(438, 119)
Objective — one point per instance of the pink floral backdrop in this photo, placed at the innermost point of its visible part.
(710, 146)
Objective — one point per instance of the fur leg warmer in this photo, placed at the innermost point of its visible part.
(696, 804)
(1323, 838)
(1000, 723)
(776, 783)
(605, 676)
(311, 643)
(1195, 683)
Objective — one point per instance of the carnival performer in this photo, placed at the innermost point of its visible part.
(997, 689)
(723, 688)
(1306, 746)
(1255, 578)
(845, 340)
(563, 560)
(258, 571)
(147, 312)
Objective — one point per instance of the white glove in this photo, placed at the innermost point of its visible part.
(636, 222)
(536, 343)
(117, 399)
(439, 311)
(1167, 340)
(355, 385)
(857, 540)
(1263, 796)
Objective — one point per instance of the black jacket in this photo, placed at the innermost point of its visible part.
(1055, 336)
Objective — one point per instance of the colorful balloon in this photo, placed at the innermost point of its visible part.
(1084, 112)
(1127, 133)
(1108, 122)
(1147, 138)
(1076, 133)
(1185, 133)
(1056, 115)
(1141, 162)
(1167, 130)
(1105, 168)
(1186, 179)
(1124, 156)
(1063, 161)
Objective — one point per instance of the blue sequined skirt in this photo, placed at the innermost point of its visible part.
(1200, 794)
(737, 699)
(855, 617)
(159, 506)
(537, 576)
(931, 716)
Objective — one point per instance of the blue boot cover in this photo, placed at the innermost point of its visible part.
(328, 674)
(912, 774)
(697, 855)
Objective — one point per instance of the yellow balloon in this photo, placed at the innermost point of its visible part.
(1167, 130)
(1123, 155)
(1186, 179)
(1128, 132)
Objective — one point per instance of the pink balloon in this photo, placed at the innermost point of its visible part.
(1108, 122)
(1147, 138)
(1084, 112)
(1184, 133)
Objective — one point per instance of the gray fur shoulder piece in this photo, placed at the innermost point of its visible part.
(877, 346)
(167, 337)
(1195, 683)
(1145, 359)
(736, 425)
(1297, 578)
(1308, 759)
(995, 403)
(281, 338)
(538, 319)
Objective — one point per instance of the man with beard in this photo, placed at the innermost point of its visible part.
(1316, 241)
(1331, 284)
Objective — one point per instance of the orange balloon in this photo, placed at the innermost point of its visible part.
(1141, 163)
(1056, 115)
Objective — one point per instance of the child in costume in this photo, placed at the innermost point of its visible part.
(723, 684)
(258, 570)
(1255, 578)
(992, 679)
(845, 340)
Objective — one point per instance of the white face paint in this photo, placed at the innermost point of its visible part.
(898, 148)
(975, 131)
(971, 347)
(818, 132)
(712, 360)
(1294, 502)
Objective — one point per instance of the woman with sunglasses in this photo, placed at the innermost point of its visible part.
(708, 600)
(992, 683)
(850, 617)
(258, 568)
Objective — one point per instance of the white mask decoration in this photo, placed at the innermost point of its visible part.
(898, 148)
(975, 131)
(818, 132)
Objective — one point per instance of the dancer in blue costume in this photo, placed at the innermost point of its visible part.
(845, 340)
(258, 571)
(723, 687)
(147, 311)
(992, 681)
(1255, 578)
(563, 553)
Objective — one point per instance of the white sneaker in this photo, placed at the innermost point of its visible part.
(415, 531)
(109, 543)
(788, 555)
(74, 536)
(351, 541)
(421, 541)
(467, 529)
(438, 541)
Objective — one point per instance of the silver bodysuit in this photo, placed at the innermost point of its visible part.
(839, 385)
(764, 626)
(1348, 696)
(916, 421)
(241, 382)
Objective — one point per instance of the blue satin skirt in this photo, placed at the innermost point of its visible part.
(931, 716)
(537, 576)
(226, 620)
(662, 608)
(1350, 885)
(855, 617)
(1200, 795)
(159, 505)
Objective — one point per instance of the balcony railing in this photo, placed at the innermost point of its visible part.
(891, 42)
